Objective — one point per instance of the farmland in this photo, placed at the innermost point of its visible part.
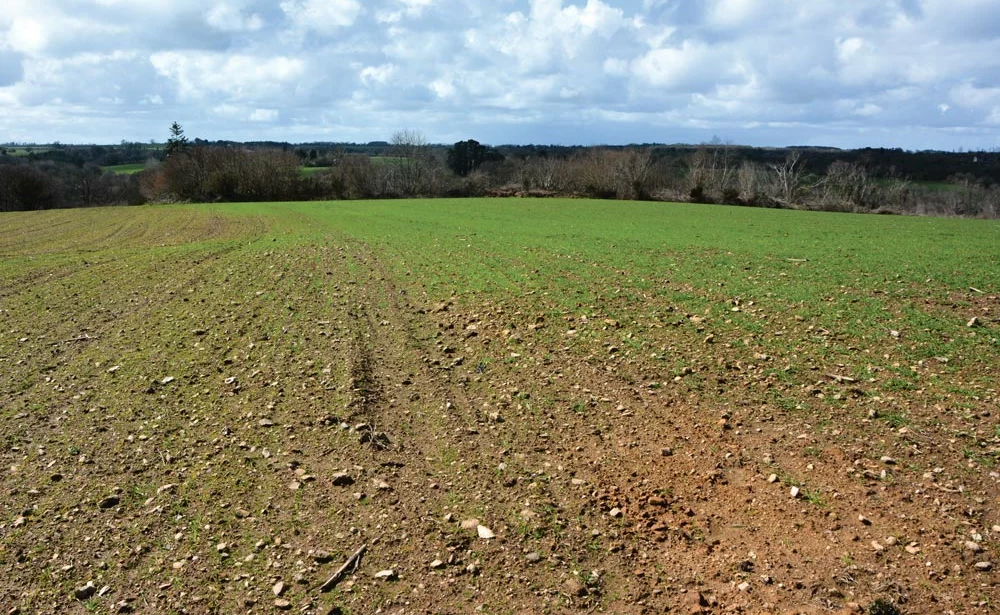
(125, 169)
(528, 406)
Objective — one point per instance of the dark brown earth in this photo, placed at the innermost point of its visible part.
(209, 429)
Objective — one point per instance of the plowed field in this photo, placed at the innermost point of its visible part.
(503, 406)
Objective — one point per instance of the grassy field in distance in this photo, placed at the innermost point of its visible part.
(612, 401)
(125, 169)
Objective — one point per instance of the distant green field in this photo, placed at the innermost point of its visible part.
(24, 151)
(313, 170)
(125, 169)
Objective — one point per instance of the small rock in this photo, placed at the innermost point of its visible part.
(975, 547)
(109, 502)
(342, 479)
(877, 546)
(485, 533)
(322, 557)
(283, 605)
(165, 488)
(574, 587)
(772, 478)
(167, 380)
(984, 566)
(470, 524)
(388, 575)
(666, 451)
(694, 602)
(864, 520)
(973, 322)
(472, 568)
(912, 548)
(266, 423)
(533, 558)
(615, 513)
(20, 521)
(996, 529)
(437, 564)
(279, 588)
(794, 492)
(889, 461)
(744, 586)
(85, 592)
(891, 541)
(578, 482)
(222, 547)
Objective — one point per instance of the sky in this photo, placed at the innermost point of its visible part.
(916, 74)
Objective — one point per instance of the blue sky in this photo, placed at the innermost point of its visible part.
(918, 74)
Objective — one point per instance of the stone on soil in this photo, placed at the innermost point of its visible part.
(485, 533)
(85, 592)
(342, 479)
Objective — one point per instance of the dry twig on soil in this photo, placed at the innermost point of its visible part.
(352, 562)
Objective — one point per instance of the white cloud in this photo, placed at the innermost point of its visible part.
(323, 16)
(577, 70)
(27, 36)
(868, 110)
(692, 65)
(380, 75)
(229, 18)
(969, 95)
(443, 88)
(263, 115)
(198, 75)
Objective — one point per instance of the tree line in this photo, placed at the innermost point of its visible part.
(409, 166)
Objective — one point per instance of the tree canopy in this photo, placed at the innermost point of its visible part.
(178, 141)
(466, 156)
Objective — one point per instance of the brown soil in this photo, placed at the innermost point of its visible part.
(176, 429)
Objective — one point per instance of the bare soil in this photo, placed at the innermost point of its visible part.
(209, 428)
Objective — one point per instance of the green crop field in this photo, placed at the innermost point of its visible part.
(125, 169)
(217, 405)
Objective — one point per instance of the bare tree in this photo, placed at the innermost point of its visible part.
(413, 171)
(633, 169)
(846, 187)
(788, 179)
(751, 184)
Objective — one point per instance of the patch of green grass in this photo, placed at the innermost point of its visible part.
(313, 170)
(125, 169)
(893, 419)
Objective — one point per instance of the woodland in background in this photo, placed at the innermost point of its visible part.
(868, 180)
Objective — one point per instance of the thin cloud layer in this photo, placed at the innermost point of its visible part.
(900, 73)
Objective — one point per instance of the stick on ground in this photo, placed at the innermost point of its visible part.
(351, 563)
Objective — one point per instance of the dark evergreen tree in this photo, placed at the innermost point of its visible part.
(178, 141)
(466, 156)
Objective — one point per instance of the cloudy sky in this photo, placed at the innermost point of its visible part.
(918, 74)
